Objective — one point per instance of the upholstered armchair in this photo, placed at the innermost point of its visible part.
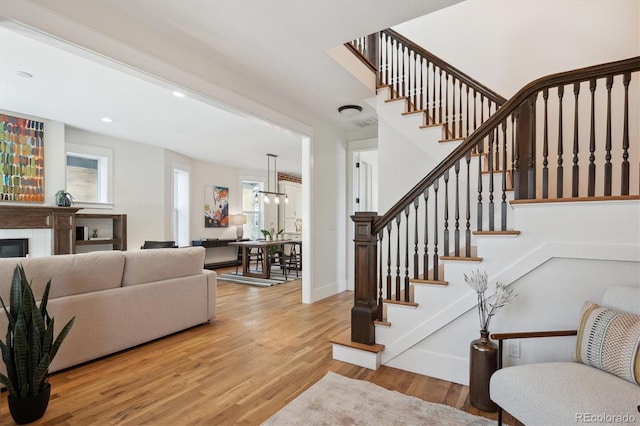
(600, 386)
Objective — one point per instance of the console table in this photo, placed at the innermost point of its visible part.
(213, 243)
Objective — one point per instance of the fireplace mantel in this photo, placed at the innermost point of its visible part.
(61, 220)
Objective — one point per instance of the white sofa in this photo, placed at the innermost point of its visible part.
(569, 393)
(120, 299)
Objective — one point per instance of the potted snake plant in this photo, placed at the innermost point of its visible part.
(28, 350)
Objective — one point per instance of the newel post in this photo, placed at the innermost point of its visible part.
(365, 307)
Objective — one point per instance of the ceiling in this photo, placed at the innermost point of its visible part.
(278, 46)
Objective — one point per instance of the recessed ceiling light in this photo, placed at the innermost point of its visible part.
(24, 74)
(106, 120)
(178, 94)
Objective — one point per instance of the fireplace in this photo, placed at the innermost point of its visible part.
(14, 247)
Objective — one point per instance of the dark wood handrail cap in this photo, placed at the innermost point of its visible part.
(529, 334)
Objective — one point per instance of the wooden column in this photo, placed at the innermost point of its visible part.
(365, 308)
(64, 231)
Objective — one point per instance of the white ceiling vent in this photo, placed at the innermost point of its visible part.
(369, 121)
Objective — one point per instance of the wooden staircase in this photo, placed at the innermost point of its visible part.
(433, 231)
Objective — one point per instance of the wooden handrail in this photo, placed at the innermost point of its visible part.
(466, 79)
(510, 107)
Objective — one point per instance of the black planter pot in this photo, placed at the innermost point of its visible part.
(30, 409)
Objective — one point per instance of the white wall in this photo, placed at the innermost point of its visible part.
(506, 44)
(139, 185)
(326, 228)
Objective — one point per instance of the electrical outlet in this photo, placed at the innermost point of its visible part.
(514, 348)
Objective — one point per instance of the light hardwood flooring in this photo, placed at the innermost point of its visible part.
(264, 348)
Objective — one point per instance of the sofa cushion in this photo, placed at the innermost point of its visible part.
(70, 273)
(610, 341)
(564, 393)
(146, 266)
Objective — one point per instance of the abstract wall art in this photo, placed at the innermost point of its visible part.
(21, 159)
(216, 207)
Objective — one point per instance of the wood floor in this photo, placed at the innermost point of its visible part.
(264, 348)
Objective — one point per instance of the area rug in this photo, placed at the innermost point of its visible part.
(276, 277)
(338, 400)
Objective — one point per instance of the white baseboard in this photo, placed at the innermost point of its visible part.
(327, 290)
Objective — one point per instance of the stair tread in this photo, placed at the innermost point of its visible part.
(451, 140)
(430, 278)
(399, 302)
(401, 98)
(507, 232)
(461, 258)
(382, 323)
(418, 111)
(428, 126)
(473, 258)
(432, 282)
(344, 339)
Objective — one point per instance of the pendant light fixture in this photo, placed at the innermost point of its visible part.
(268, 194)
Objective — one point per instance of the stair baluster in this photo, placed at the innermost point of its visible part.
(406, 254)
(576, 145)
(625, 137)
(503, 205)
(398, 287)
(560, 171)
(389, 226)
(591, 182)
(467, 232)
(416, 257)
(446, 214)
(607, 166)
(490, 167)
(425, 259)
(456, 233)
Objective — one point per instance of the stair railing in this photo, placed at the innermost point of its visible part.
(434, 220)
(431, 86)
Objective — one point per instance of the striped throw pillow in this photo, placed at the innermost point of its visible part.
(610, 341)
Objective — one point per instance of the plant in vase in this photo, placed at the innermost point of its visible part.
(483, 359)
(272, 236)
(63, 199)
(28, 350)
(488, 306)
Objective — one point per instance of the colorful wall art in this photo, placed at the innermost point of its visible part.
(21, 159)
(216, 207)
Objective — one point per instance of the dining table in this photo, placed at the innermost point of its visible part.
(266, 259)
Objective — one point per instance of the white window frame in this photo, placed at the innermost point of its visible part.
(105, 172)
(180, 168)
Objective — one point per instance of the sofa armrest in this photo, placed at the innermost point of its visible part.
(500, 337)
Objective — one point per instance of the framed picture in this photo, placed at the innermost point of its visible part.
(21, 159)
(216, 207)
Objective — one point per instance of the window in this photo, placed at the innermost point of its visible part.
(251, 209)
(88, 174)
(181, 207)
